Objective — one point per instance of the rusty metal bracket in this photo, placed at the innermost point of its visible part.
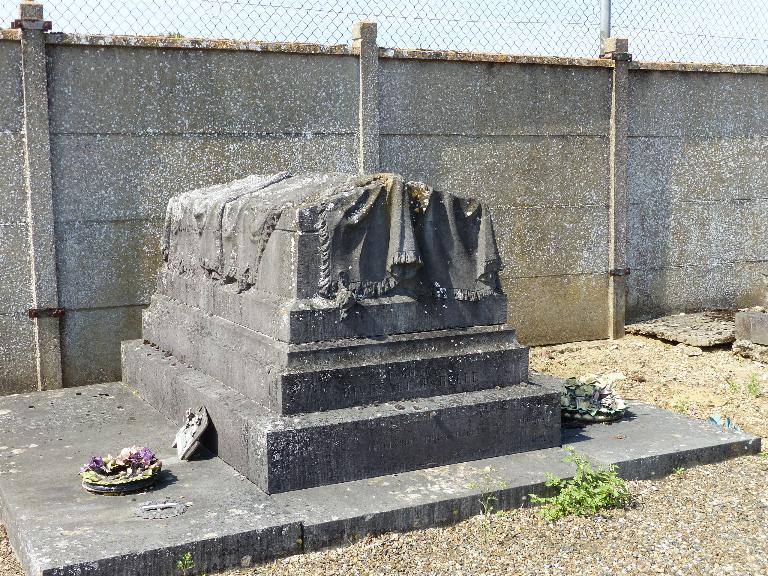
(45, 313)
(618, 272)
(44, 25)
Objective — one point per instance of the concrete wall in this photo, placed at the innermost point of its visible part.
(132, 127)
(134, 121)
(17, 352)
(698, 190)
(532, 141)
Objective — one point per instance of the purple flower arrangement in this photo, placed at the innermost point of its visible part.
(131, 465)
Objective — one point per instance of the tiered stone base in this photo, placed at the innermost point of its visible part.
(282, 453)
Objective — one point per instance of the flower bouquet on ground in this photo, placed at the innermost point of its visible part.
(133, 470)
(592, 399)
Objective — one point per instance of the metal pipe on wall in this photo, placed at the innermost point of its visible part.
(605, 19)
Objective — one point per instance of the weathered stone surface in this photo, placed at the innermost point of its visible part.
(697, 220)
(58, 528)
(752, 326)
(122, 177)
(537, 170)
(670, 104)
(13, 197)
(16, 278)
(666, 291)
(55, 526)
(96, 264)
(314, 320)
(709, 328)
(551, 309)
(293, 378)
(300, 451)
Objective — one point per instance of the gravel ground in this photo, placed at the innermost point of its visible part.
(706, 520)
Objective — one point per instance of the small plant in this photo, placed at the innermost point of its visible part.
(678, 472)
(589, 491)
(489, 485)
(753, 387)
(185, 564)
(682, 407)
(487, 502)
(733, 386)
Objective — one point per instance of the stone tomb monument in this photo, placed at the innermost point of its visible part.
(337, 327)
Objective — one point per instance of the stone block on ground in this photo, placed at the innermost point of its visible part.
(752, 325)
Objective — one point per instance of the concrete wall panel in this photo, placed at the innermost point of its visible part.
(107, 264)
(698, 186)
(680, 289)
(520, 171)
(115, 177)
(164, 91)
(10, 87)
(697, 105)
(18, 370)
(551, 309)
(13, 199)
(15, 279)
(532, 142)
(474, 98)
(88, 340)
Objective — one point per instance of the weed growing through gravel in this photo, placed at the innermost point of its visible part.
(678, 472)
(489, 485)
(753, 387)
(681, 407)
(589, 491)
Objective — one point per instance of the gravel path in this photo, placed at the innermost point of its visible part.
(709, 520)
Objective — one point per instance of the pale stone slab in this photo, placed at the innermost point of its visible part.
(708, 328)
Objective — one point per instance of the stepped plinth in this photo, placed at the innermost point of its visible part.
(336, 328)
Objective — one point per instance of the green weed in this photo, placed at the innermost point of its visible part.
(589, 491)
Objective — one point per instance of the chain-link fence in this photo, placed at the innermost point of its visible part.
(728, 31)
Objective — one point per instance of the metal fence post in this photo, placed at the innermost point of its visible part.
(37, 180)
(364, 43)
(605, 20)
(618, 50)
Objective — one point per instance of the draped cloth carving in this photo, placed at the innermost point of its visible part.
(377, 235)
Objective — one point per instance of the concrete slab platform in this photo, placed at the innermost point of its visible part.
(650, 442)
(57, 529)
(708, 328)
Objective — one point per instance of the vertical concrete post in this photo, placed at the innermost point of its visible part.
(365, 45)
(618, 50)
(37, 179)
